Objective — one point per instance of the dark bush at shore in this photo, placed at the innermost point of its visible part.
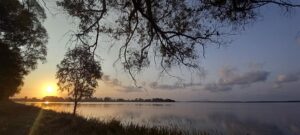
(18, 119)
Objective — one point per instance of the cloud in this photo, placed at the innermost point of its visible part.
(286, 78)
(117, 85)
(298, 39)
(214, 87)
(129, 89)
(111, 82)
(255, 65)
(230, 77)
(116, 82)
(106, 78)
(156, 85)
(168, 87)
(176, 86)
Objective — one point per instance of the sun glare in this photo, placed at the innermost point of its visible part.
(50, 90)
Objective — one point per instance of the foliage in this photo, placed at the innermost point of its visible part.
(23, 38)
(11, 72)
(174, 31)
(21, 29)
(78, 73)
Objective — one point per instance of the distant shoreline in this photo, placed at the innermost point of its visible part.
(141, 100)
(101, 101)
(291, 101)
(297, 101)
(93, 99)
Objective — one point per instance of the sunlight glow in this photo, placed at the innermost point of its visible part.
(50, 90)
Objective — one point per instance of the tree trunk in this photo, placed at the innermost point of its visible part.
(75, 100)
(75, 107)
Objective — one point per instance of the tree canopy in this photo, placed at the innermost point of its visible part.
(173, 31)
(23, 41)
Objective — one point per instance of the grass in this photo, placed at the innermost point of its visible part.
(18, 119)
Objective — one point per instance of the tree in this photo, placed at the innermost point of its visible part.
(78, 73)
(23, 42)
(174, 31)
(11, 72)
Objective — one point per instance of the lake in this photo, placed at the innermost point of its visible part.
(225, 118)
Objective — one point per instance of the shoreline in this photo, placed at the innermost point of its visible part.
(18, 119)
(296, 101)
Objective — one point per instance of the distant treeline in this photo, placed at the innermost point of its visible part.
(270, 101)
(93, 99)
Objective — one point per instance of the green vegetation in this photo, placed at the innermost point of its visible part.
(18, 119)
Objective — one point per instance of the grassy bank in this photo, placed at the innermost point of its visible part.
(18, 119)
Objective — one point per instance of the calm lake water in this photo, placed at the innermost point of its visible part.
(226, 118)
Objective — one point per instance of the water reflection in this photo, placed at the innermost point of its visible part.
(233, 119)
(235, 126)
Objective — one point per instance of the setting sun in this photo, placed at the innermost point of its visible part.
(50, 90)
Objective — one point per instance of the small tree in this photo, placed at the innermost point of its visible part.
(78, 73)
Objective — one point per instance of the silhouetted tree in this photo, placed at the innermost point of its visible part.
(174, 31)
(22, 40)
(11, 72)
(78, 73)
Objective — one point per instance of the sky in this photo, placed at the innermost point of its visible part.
(261, 63)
